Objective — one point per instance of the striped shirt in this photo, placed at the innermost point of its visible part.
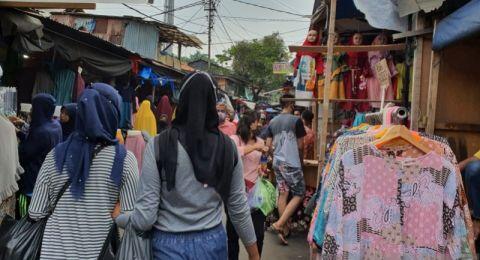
(77, 229)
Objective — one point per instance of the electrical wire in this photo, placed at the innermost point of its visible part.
(280, 33)
(177, 9)
(142, 13)
(223, 25)
(284, 5)
(181, 19)
(254, 19)
(269, 8)
(191, 18)
(238, 23)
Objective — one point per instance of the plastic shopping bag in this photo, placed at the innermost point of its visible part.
(262, 196)
(22, 239)
(135, 246)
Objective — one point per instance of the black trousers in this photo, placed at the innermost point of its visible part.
(258, 220)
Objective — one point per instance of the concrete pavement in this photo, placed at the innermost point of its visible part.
(272, 249)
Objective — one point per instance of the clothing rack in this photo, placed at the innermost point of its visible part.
(8, 101)
(397, 115)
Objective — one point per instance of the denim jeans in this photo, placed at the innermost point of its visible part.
(208, 244)
(471, 181)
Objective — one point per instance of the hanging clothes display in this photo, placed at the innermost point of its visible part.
(10, 170)
(354, 77)
(79, 86)
(393, 201)
(8, 101)
(307, 66)
(64, 81)
(337, 87)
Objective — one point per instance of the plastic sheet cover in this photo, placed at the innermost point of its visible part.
(382, 14)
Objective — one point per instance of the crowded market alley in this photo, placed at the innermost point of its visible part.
(239, 129)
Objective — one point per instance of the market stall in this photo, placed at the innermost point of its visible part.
(424, 71)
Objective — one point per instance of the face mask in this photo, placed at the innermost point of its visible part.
(221, 117)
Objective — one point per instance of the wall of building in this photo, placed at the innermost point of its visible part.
(458, 103)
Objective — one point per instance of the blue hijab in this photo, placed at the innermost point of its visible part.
(43, 135)
(98, 115)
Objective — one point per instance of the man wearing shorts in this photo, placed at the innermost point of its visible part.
(286, 133)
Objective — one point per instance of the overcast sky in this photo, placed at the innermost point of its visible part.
(292, 28)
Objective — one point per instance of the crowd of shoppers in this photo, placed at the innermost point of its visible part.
(199, 165)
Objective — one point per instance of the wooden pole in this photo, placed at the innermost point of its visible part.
(349, 48)
(417, 74)
(433, 90)
(326, 93)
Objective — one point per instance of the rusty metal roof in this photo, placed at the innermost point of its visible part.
(167, 32)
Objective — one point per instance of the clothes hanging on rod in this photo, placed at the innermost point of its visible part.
(360, 176)
(8, 101)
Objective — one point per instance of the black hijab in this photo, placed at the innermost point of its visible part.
(69, 127)
(196, 127)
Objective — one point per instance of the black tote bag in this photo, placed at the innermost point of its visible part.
(111, 244)
(22, 239)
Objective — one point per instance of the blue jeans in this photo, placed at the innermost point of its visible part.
(208, 244)
(471, 181)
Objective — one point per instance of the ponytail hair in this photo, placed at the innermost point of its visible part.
(243, 128)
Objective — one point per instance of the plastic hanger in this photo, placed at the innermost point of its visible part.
(400, 132)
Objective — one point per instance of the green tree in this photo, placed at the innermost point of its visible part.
(253, 60)
(198, 56)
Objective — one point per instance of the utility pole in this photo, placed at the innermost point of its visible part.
(168, 17)
(210, 8)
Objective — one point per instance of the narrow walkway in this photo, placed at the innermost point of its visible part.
(272, 249)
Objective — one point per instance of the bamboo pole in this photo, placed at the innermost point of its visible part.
(326, 93)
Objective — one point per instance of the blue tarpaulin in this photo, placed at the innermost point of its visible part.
(462, 23)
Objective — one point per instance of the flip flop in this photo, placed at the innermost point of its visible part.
(279, 234)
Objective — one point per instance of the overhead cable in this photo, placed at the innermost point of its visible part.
(269, 8)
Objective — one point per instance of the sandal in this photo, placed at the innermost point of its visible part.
(280, 234)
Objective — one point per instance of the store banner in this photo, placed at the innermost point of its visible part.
(282, 68)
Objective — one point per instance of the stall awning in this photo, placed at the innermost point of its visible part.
(462, 23)
(26, 32)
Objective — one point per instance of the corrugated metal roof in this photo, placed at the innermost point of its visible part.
(142, 39)
(168, 33)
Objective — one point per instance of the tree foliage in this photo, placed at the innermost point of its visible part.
(198, 56)
(253, 60)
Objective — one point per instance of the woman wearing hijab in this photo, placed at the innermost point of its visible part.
(67, 119)
(101, 173)
(164, 111)
(145, 119)
(43, 134)
(200, 170)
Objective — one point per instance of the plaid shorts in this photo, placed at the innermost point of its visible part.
(289, 179)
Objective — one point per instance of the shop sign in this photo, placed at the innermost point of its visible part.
(282, 68)
(383, 73)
